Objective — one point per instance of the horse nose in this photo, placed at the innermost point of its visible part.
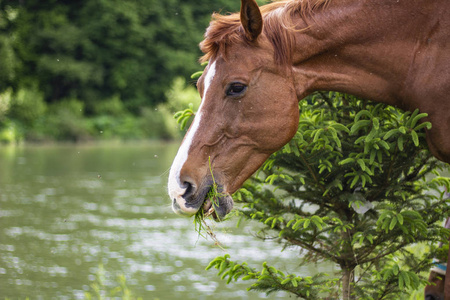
(189, 189)
(430, 297)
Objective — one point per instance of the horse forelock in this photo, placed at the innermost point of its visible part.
(278, 27)
(222, 31)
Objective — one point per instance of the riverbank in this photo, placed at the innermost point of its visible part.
(25, 117)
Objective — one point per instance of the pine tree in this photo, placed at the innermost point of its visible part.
(356, 186)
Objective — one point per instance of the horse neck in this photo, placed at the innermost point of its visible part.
(364, 48)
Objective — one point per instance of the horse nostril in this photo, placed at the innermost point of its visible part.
(430, 297)
(190, 189)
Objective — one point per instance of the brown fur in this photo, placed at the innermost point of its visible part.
(225, 30)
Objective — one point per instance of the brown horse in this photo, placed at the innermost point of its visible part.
(264, 60)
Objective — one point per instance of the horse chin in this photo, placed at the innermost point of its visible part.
(218, 208)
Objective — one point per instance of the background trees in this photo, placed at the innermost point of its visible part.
(94, 52)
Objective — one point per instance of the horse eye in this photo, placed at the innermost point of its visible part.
(236, 89)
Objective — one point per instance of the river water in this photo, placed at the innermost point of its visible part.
(70, 211)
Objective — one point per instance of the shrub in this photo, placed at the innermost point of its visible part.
(5, 102)
(26, 106)
(110, 107)
(9, 133)
(180, 95)
(356, 186)
(158, 123)
(64, 122)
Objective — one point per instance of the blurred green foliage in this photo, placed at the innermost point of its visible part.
(25, 115)
(99, 290)
(117, 59)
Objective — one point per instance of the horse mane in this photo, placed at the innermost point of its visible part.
(225, 30)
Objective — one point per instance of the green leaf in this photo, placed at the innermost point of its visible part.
(317, 221)
(361, 164)
(387, 274)
(346, 161)
(400, 219)
(363, 113)
(417, 118)
(360, 139)
(274, 222)
(294, 282)
(402, 129)
(423, 125)
(354, 181)
(415, 138)
(375, 123)
(371, 135)
(213, 263)
(385, 225)
(290, 223)
(400, 143)
(317, 135)
(414, 280)
(223, 266)
(340, 127)
(306, 223)
(363, 180)
(358, 125)
(390, 133)
(395, 269)
(287, 148)
(196, 75)
(406, 278)
(384, 145)
(373, 153)
(392, 224)
(401, 283)
(414, 113)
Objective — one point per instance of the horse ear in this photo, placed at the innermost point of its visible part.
(251, 19)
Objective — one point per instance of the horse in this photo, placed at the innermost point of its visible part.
(264, 60)
(435, 291)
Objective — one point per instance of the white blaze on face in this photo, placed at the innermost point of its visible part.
(175, 186)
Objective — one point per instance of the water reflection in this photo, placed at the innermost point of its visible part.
(65, 210)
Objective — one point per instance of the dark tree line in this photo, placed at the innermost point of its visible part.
(93, 50)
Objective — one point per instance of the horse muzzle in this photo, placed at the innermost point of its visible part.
(187, 200)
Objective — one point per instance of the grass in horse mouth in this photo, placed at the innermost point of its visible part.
(207, 210)
(211, 201)
(201, 226)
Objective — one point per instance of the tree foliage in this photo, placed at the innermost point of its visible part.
(114, 61)
(356, 186)
(95, 50)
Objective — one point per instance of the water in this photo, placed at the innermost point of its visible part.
(68, 210)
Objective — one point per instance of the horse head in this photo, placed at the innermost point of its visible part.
(249, 110)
